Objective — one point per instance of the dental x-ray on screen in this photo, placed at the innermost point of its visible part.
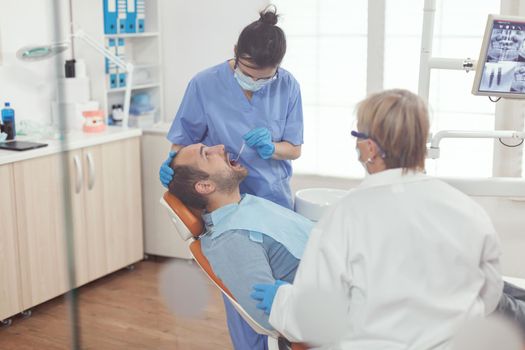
(501, 66)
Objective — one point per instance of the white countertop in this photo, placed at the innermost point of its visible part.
(75, 140)
(159, 128)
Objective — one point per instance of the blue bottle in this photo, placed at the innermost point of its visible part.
(8, 118)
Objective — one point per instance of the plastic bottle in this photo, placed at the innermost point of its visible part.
(8, 118)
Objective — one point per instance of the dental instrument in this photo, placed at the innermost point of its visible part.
(240, 151)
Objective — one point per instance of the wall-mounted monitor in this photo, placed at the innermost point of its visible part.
(500, 70)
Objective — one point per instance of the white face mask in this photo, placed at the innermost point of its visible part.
(248, 83)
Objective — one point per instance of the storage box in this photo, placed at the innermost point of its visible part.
(142, 120)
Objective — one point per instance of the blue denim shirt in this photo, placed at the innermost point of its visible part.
(241, 262)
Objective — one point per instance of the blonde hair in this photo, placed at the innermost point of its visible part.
(397, 120)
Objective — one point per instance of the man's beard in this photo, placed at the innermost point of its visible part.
(228, 181)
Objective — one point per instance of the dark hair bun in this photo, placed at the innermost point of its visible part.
(262, 41)
(269, 15)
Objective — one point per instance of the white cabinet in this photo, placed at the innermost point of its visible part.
(102, 215)
(92, 188)
(41, 229)
(10, 297)
(110, 192)
(122, 202)
(107, 208)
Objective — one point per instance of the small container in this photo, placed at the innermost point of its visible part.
(144, 120)
(117, 114)
(8, 119)
(94, 121)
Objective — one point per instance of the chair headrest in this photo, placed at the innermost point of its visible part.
(187, 222)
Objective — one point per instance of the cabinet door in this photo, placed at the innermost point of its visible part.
(78, 221)
(40, 216)
(122, 202)
(10, 295)
(94, 212)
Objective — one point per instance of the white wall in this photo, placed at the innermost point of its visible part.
(196, 35)
(29, 86)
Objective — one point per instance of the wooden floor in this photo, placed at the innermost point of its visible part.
(120, 311)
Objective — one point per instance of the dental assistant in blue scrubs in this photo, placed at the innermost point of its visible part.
(249, 99)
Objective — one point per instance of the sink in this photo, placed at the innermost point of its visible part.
(312, 202)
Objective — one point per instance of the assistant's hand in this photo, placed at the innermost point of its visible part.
(166, 172)
(264, 293)
(261, 140)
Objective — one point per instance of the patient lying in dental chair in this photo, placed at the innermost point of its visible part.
(250, 240)
(247, 240)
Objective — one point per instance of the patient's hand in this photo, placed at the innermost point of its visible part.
(264, 294)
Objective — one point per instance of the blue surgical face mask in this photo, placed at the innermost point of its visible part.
(248, 83)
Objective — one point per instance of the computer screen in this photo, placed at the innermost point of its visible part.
(500, 70)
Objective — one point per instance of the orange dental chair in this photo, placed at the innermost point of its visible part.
(190, 226)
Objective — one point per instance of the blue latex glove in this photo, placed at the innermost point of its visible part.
(264, 293)
(261, 140)
(166, 172)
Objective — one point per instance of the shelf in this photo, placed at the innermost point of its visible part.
(133, 35)
(145, 65)
(136, 87)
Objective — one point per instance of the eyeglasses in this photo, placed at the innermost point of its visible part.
(365, 136)
(236, 65)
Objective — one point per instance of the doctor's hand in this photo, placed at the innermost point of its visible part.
(166, 172)
(261, 140)
(264, 293)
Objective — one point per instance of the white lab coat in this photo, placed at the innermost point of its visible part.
(412, 257)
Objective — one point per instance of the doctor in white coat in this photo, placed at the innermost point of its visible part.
(410, 257)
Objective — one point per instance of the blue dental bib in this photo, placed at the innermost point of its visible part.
(263, 217)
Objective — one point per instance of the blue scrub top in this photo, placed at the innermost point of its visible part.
(215, 110)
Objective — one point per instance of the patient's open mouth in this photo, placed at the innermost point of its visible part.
(230, 161)
(233, 158)
(235, 164)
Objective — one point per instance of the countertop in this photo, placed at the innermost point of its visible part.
(159, 129)
(74, 140)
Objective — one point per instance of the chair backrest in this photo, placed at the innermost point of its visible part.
(190, 227)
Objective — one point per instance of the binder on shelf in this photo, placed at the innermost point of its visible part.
(110, 16)
(141, 15)
(131, 17)
(121, 53)
(111, 67)
(122, 8)
(113, 81)
(122, 79)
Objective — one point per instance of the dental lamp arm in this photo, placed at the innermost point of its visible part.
(126, 66)
(466, 64)
(95, 45)
(433, 151)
